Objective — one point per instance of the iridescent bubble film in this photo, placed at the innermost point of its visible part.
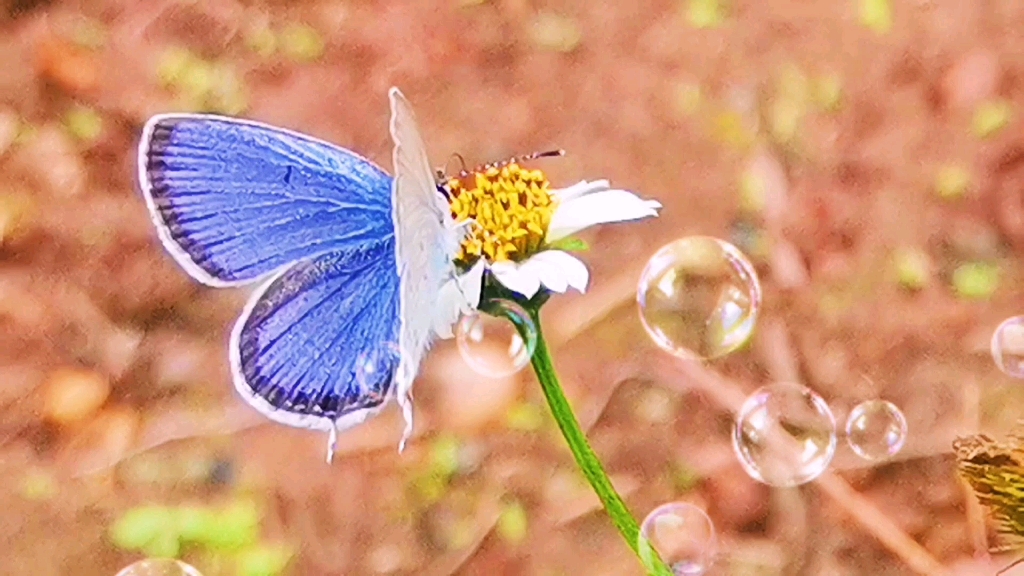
(699, 297)
(876, 429)
(1008, 346)
(491, 345)
(784, 435)
(159, 567)
(683, 537)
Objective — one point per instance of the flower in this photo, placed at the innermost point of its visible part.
(512, 221)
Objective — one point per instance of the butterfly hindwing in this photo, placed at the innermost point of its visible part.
(317, 345)
(235, 200)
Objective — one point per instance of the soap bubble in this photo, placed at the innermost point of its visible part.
(491, 345)
(785, 435)
(699, 296)
(1008, 346)
(159, 567)
(876, 429)
(682, 535)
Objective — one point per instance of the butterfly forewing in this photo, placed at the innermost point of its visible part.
(425, 238)
(235, 200)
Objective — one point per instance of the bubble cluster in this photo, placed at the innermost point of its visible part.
(491, 345)
(682, 535)
(159, 567)
(699, 296)
(1008, 346)
(876, 429)
(784, 435)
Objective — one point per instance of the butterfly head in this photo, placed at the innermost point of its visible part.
(509, 207)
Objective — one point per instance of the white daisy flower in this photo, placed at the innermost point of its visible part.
(512, 220)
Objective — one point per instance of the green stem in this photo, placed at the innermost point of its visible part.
(577, 440)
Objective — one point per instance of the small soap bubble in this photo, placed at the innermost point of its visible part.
(1008, 346)
(785, 435)
(699, 296)
(492, 346)
(683, 537)
(159, 567)
(876, 429)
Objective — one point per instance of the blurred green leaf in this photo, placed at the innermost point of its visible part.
(444, 454)
(684, 477)
(226, 94)
(195, 522)
(570, 244)
(951, 182)
(828, 93)
(913, 268)
(172, 65)
(991, 117)
(196, 79)
(262, 41)
(83, 123)
(876, 15)
(429, 487)
(789, 104)
(234, 527)
(705, 13)
(512, 523)
(525, 416)
(976, 280)
(752, 193)
(301, 42)
(264, 560)
(140, 526)
(730, 128)
(163, 546)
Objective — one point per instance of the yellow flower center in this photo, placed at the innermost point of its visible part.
(511, 208)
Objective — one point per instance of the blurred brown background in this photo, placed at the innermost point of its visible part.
(861, 152)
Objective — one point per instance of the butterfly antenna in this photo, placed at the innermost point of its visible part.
(545, 154)
(462, 162)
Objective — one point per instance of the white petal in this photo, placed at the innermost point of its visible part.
(560, 270)
(581, 188)
(471, 283)
(449, 307)
(547, 270)
(516, 278)
(598, 208)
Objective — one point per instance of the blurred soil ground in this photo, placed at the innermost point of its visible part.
(861, 166)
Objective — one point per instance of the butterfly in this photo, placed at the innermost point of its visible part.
(995, 472)
(350, 263)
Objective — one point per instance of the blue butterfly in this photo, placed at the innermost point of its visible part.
(352, 263)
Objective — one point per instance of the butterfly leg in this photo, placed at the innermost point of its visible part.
(332, 443)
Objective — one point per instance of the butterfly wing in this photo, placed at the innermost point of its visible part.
(317, 344)
(235, 200)
(425, 239)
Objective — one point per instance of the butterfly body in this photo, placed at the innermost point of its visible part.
(349, 260)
